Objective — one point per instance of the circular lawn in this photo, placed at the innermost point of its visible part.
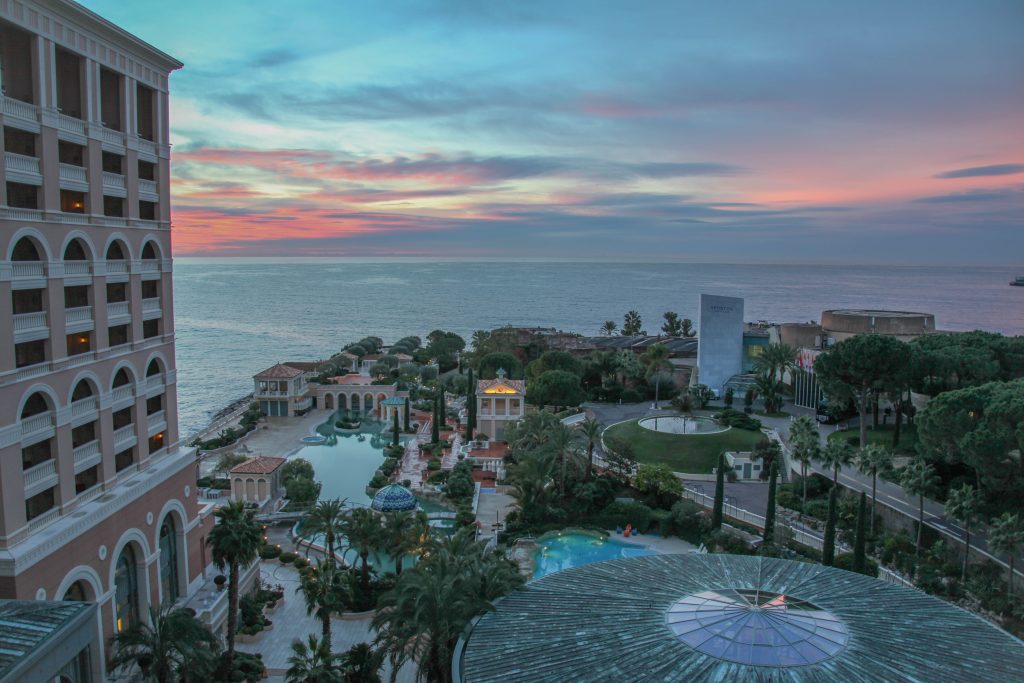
(687, 453)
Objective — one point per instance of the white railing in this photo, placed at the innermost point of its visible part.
(89, 494)
(157, 420)
(75, 361)
(19, 214)
(118, 266)
(118, 309)
(40, 473)
(150, 266)
(122, 436)
(28, 269)
(30, 371)
(70, 124)
(121, 394)
(23, 322)
(76, 268)
(78, 315)
(76, 218)
(114, 221)
(83, 407)
(147, 146)
(151, 305)
(24, 110)
(36, 423)
(114, 137)
(113, 180)
(43, 519)
(86, 456)
(22, 163)
(73, 173)
(147, 186)
(155, 382)
(271, 392)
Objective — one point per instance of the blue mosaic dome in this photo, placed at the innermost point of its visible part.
(393, 498)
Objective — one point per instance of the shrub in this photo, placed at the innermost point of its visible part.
(300, 562)
(817, 508)
(631, 396)
(270, 552)
(620, 514)
(251, 630)
(845, 561)
(379, 480)
(220, 579)
(464, 516)
(434, 464)
(687, 520)
(287, 557)
(203, 482)
(734, 418)
(251, 610)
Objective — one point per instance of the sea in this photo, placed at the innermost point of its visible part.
(235, 317)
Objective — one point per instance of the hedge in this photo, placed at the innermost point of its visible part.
(270, 552)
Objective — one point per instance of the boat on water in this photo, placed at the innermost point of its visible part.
(1019, 282)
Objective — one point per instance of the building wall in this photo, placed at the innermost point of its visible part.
(720, 352)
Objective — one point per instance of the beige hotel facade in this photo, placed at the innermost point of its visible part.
(98, 498)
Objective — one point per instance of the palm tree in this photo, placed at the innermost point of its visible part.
(656, 360)
(432, 603)
(402, 533)
(806, 445)
(874, 460)
(631, 324)
(234, 542)
(362, 528)
(177, 647)
(326, 518)
(325, 588)
(771, 391)
(919, 479)
(362, 664)
(775, 360)
(836, 454)
(314, 663)
(590, 433)
(530, 478)
(609, 328)
(1006, 537)
(964, 505)
(561, 442)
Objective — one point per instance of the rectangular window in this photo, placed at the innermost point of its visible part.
(113, 163)
(122, 418)
(22, 196)
(150, 289)
(110, 99)
(76, 296)
(117, 335)
(145, 107)
(485, 406)
(35, 454)
(29, 353)
(117, 292)
(79, 343)
(113, 206)
(156, 442)
(39, 504)
(83, 434)
(69, 83)
(147, 170)
(70, 153)
(513, 405)
(124, 459)
(72, 202)
(16, 57)
(86, 479)
(151, 328)
(147, 211)
(154, 404)
(20, 142)
(27, 301)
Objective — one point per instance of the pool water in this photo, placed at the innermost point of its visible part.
(572, 550)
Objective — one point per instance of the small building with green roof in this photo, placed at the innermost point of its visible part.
(42, 642)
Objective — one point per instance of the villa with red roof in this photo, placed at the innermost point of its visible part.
(257, 480)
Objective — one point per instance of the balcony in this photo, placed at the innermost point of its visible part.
(151, 308)
(69, 124)
(121, 395)
(119, 267)
(124, 438)
(43, 519)
(157, 422)
(74, 218)
(150, 266)
(22, 110)
(19, 214)
(28, 325)
(113, 221)
(30, 371)
(117, 309)
(148, 187)
(75, 361)
(74, 177)
(38, 426)
(155, 382)
(28, 269)
(113, 181)
(77, 269)
(21, 168)
(78, 319)
(86, 456)
(147, 147)
(40, 477)
(84, 410)
(112, 137)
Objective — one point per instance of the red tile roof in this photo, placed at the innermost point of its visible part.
(279, 371)
(516, 385)
(305, 366)
(259, 465)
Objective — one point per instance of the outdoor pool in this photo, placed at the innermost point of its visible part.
(562, 551)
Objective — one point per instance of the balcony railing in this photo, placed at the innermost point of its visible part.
(74, 218)
(43, 519)
(28, 268)
(70, 124)
(76, 174)
(86, 456)
(272, 392)
(23, 110)
(21, 163)
(147, 146)
(36, 476)
(150, 266)
(151, 305)
(117, 267)
(147, 186)
(30, 371)
(118, 309)
(83, 407)
(121, 394)
(115, 180)
(75, 361)
(114, 137)
(27, 322)
(78, 315)
(157, 421)
(72, 268)
(89, 494)
(155, 382)
(124, 437)
(36, 423)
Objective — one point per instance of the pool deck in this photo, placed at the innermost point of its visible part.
(275, 436)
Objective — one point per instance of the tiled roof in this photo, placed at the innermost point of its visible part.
(305, 366)
(258, 465)
(393, 401)
(27, 624)
(660, 618)
(517, 385)
(279, 371)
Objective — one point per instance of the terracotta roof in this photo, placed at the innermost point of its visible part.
(258, 465)
(279, 371)
(303, 365)
(516, 385)
(403, 357)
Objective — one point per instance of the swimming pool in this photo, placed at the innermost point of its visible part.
(565, 550)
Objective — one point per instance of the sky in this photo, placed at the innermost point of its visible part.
(867, 132)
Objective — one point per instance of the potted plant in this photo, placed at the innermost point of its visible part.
(219, 581)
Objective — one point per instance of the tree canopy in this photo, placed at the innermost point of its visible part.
(489, 365)
(556, 388)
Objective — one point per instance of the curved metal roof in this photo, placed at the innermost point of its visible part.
(676, 618)
(392, 498)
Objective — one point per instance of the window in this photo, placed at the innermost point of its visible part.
(115, 252)
(72, 202)
(79, 343)
(113, 206)
(27, 300)
(70, 153)
(149, 252)
(83, 434)
(16, 58)
(150, 289)
(35, 454)
(69, 83)
(113, 163)
(117, 335)
(21, 196)
(75, 251)
(151, 328)
(116, 292)
(20, 142)
(39, 504)
(86, 479)
(110, 99)
(124, 459)
(126, 589)
(147, 170)
(121, 378)
(156, 442)
(29, 353)
(76, 593)
(147, 211)
(122, 418)
(76, 297)
(154, 404)
(145, 108)
(168, 562)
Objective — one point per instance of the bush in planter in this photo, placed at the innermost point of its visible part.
(219, 581)
(407, 483)
(287, 557)
(300, 562)
(434, 464)
(270, 552)
(379, 480)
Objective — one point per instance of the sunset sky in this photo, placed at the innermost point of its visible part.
(888, 132)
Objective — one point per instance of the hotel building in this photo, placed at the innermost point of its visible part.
(98, 500)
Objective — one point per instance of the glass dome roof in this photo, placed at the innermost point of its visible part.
(392, 498)
(757, 627)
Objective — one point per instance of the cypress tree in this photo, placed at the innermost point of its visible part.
(435, 428)
(769, 513)
(860, 539)
(408, 422)
(828, 551)
(394, 429)
(470, 405)
(716, 511)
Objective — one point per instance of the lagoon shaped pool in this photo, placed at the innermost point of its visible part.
(566, 550)
(673, 424)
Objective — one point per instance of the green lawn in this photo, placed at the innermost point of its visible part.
(883, 437)
(690, 453)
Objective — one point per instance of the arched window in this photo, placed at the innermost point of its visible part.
(121, 378)
(82, 390)
(149, 252)
(75, 251)
(76, 593)
(115, 252)
(25, 250)
(126, 590)
(153, 368)
(168, 562)
(35, 404)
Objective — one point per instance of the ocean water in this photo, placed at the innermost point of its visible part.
(235, 317)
